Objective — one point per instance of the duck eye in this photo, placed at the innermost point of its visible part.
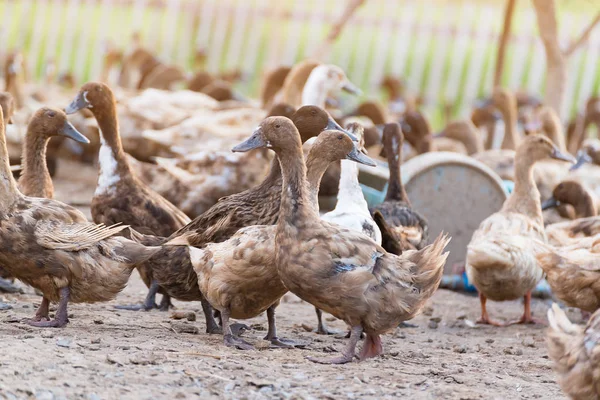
(313, 112)
(277, 126)
(51, 114)
(340, 137)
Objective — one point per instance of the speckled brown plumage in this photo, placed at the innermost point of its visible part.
(52, 247)
(403, 225)
(341, 271)
(575, 351)
(121, 197)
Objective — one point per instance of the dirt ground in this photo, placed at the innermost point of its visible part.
(106, 353)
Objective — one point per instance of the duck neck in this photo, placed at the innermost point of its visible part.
(525, 198)
(395, 191)
(585, 207)
(35, 178)
(350, 194)
(297, 206)
(114, 166)
(315, 169)
(13, 86)
(510, 140)
(9, 193)
(314, 92)
(273, 179)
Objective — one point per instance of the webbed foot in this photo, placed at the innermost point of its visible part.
(238, 329)
(282, 343)
(336, 360)
(238, 343)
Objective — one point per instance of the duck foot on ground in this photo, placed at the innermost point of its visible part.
(60, 319)
(485, 318)
(238, 329)
(7, 286)
(238, 343)
(405, 324)
(148, 304)
(282, 343)
(527, 318)
(165, 303)
(347, 353)
(322, 329)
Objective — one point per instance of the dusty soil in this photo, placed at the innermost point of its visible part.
(106, 353)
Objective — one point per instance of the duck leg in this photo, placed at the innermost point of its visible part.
(149, 302)
(42, 311)
(527, 318)
(322, 329)
(165, 303)
(229, 339)
(211, 324)
(372, 347)
(485, 318)
(272, 333)
(61, 317)
(347, 353)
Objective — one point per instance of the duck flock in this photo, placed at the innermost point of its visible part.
(215, 198)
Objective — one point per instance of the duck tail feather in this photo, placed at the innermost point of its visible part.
(430, 263)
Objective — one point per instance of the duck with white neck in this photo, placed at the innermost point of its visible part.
(324, 80)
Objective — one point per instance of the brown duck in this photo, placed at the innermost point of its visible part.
(402, 228)
(52, 247)
(256, 206)
(338, 270)
(121, 197)
(239, 276)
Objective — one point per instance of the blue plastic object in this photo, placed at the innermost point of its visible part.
(509, 186)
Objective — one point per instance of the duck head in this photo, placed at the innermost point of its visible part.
(417, 131)
(572, 193)
(280, 134)
(48, 122)
(334, 145)
(537, 147)
(323, 80)
(93, 95)
(312, 120)
(465, 132)
(281, 110)
(502, 99)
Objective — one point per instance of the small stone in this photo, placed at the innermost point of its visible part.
(189, 315)
(340, 377)
(518, 352)
(5, 306)
(95, 341)
(28, 336)
(98, 322)
(356, 380)
(44, 395)
(112, 360)
(11, 319)
(528, 343)
(149, 359)
(462, 316)
(508, 350)
(47, 335)
(489, 341)
(182, 327)
(436, 319)
(63, 343)
(460, 349)
(432, 325)
(93, 396)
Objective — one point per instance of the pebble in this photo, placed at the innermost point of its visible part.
(432, 325)
(490, 341)
(44, 395)
(47, 335)
(436, 319)
(95, 341)
(63, 343)
(460, 349)
(181, 327)
(189, 315)
(5, 306)
(529, 343)
(93, 396)
(98, 322)
(11, 319)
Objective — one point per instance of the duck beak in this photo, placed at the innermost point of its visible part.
(349, 87)
(550, 203)
(360, 157)
(69, 131)
(558, 155)
(334, 126)
(582, 158)
(79, 102)
(253, 142)
(532, 127)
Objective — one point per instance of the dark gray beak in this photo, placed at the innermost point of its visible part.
(550, 203)
(558, 155)
(334, 126)
(351, 88)
(582, 158)
(69, 131)
(253, 142)
(80, 102)
(360, 157)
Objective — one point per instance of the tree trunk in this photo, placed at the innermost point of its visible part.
(556, 68)
(508, 17)
(337, 27)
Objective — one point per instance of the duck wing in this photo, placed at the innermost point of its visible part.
(57, 235)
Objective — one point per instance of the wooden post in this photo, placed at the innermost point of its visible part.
(556, 66)
(337, 28)
(508, 16)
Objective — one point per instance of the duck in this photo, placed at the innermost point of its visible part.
(401, 226)
(272, 84)
(256, 206)
(464, 134)
(574, 352)
(351, 210)
(572, 200)
(500, 260)
(338, 270)
(53, 248)
(47, 122)
(239, 276)
(120, 197)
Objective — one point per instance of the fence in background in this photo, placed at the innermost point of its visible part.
(445, 50)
